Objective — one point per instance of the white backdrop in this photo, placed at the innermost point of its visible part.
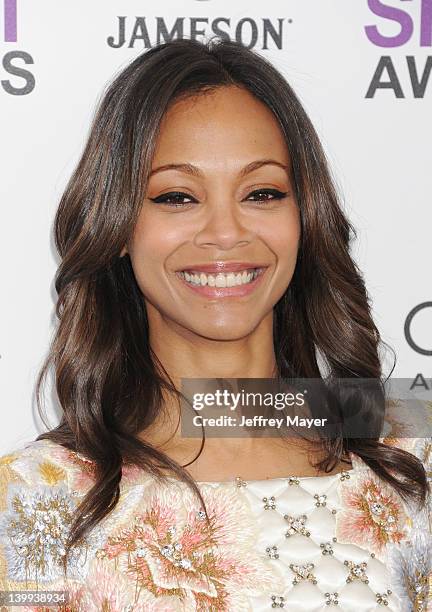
(378, 144)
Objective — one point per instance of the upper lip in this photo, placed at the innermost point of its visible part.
(223, 266)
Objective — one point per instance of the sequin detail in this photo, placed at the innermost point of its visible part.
(156, 551)
(269, 504)
(357, 571)
(372, 514)
(35, 528)
(332, 598)
(303, 572)
(296, 525)
(278, 601)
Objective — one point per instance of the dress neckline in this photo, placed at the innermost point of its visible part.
(343, 474)
(239, 481)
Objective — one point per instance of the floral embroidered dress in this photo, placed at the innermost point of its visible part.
(345, 541)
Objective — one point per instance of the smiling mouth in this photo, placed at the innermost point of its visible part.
(221, 279)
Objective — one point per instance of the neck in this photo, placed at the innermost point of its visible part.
(185, 354)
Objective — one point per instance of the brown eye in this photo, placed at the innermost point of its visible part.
(267, 195)
(173, 198)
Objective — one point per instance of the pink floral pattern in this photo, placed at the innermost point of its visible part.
(372, 514)
(156, 551)
(104, 590)
(171, 550)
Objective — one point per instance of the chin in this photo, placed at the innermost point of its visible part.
(224, 332)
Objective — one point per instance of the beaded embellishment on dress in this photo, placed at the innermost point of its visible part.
(345, 541)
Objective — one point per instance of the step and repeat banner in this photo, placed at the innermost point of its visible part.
(362, 68)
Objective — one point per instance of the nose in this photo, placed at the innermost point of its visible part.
(224, 227)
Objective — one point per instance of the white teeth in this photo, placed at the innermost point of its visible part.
(221, 280)
(230, 279)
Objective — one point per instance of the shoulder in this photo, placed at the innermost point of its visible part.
(41, 487)
(374, 510)
(39, 462)
(418, 448)
(409, 561)
(37, 504)
(395, 530)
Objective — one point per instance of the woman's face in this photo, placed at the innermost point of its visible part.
(219, 203)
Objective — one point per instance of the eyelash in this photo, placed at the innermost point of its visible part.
(162, 199)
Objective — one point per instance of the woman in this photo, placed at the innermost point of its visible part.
(201, 237)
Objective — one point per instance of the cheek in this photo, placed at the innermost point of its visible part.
(282, 236)
(154, 240)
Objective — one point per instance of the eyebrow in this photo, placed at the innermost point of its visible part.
(194, 171)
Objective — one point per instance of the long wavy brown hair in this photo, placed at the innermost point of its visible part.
(109, 382)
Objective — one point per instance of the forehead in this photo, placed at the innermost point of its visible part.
(228, 122)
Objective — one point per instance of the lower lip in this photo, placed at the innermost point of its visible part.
(220, 292)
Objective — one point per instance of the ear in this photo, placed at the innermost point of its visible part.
(123, 251)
